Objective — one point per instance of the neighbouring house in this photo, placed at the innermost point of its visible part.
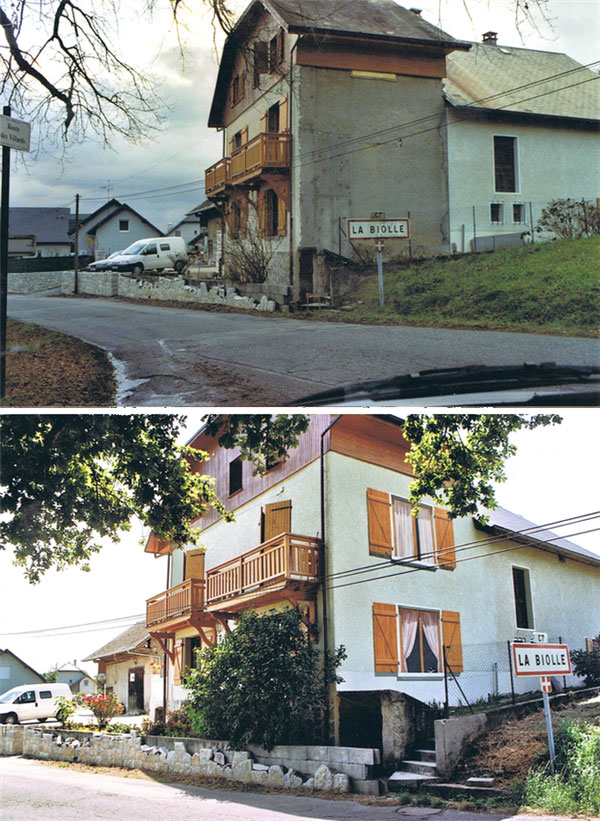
(359, 109)
(14, 671)
(78, 680)
(210, 236)
(112, 227)
(420, 605)
(131, 666)
(190, 227)
(39, 232)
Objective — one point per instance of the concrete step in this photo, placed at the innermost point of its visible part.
(444, 790)
(402, 780)
(425, 755)
(419, 767)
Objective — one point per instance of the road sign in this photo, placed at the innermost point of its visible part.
(546, 684)
(541, 659)
(378, 229)
(14, 133)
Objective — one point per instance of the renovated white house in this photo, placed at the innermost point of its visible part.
(113, 227)
(410, 599)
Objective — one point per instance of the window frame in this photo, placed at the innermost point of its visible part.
(500, 207)
(122, 223)
(523, 216)
(528, 597)
(415, 559)
(239, 474)
(438, 612)
(498, 172)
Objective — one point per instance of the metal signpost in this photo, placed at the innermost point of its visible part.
(13, 134)
(543, 660)
(378, 228)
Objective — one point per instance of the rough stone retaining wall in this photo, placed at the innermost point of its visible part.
(30, 283)
(337, 769)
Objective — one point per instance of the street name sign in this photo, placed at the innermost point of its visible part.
(378, 229)
(14, 133)
(541, 659)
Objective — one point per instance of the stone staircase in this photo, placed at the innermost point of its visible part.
(414, 772)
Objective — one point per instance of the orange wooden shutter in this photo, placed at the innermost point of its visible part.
(278, 519)
(264, 117)
(452, 640)
(385, 637)
(231, 145)
(283, 113)
(243, 76)
(244, 135)
(281, 217)
(194, 565)
(380, 526)
(178, 663)
(444, 534)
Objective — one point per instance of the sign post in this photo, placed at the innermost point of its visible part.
(378, 228)
(13, 134)
(543, 660)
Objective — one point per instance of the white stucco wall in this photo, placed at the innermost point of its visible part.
(554, 162)
(480, 590)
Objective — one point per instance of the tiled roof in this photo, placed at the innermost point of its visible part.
(503, 521)
(125, 641)
(492, 77)
(48, 224)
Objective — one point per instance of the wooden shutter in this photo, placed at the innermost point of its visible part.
(385, 638)
(380, 526)
(264, 119)
(194, 565)
(281, 217)
(243, 76)
(444, 534)
(283, 114)
(231, 145)
(278, 519)
(244, 135)
(262, 213)
(178, 662)
(452, 641)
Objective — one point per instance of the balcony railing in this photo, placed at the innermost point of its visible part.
(217, 177)
(286, 558)
(266, 152)
(184, 600)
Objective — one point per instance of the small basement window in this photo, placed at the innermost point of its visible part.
(235, 476)
(518, 212)
(496, 212)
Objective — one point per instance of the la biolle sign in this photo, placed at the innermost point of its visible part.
(378, 229)
(541, 659)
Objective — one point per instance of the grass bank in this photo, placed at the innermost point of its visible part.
(48, 369)
(551, 287)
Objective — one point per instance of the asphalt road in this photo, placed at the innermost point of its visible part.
(31, 789)
(185, 357)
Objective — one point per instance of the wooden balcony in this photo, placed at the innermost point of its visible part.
(217, 177)
(176, 606)
(286, 566)
(266, 152)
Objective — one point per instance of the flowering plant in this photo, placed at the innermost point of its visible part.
(104, 706)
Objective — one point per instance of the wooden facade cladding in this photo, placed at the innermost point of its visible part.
(287, 566)
(357, 55)
(372, 440)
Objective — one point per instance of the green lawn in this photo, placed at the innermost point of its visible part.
(551, 287)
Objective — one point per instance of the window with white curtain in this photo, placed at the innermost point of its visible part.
(414, 536)
(420, 644)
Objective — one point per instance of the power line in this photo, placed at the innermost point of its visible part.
(108, 622)
(530, 531)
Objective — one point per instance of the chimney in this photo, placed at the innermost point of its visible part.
(491, 38)
(417, 11)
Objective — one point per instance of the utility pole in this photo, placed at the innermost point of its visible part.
(5, 196)
(76, 260)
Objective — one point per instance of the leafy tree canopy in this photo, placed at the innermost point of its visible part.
(280, 677)
(67, 481)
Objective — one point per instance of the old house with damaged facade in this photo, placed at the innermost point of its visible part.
(333, 110)
(418, 603)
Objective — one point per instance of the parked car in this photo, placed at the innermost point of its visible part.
(153, 254)
(103, 264)
(32, 702)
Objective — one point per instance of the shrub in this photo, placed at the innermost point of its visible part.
(570, 219)
(177, 724)
(265, 683)
(104, 706)
(118, 727)
(587, 665)
(575, 787)
(66, 708)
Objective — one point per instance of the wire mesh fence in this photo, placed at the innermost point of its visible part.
(487, 675)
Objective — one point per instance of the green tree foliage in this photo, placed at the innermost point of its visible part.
(52, 674)
(587, 665)
(67, 481)
(70, 480)
(458, 457)
(265, 683)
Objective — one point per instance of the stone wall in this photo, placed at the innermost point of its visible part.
(32, 282)
(336, 769)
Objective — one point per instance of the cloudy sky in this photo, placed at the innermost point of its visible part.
(552, 477)
(164, 178)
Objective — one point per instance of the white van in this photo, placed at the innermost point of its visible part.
(32, 702)
(153, 254)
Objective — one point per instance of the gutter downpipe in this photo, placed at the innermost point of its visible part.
(290, 124)
(165, 656)
(327, 712)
